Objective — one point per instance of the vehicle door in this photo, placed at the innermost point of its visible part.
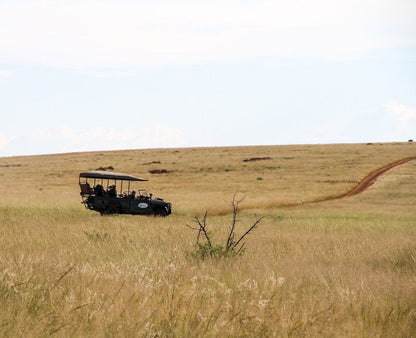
(140, 206)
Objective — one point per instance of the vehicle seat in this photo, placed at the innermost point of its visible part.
(85, 189)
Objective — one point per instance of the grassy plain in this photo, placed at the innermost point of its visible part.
(344, 267)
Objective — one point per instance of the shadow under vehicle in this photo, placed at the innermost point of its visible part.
(103, 196)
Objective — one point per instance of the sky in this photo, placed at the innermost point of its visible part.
(107, 75)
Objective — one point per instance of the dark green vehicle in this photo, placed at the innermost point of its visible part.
(102, 191)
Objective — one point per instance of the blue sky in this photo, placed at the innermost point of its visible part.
(103, 75)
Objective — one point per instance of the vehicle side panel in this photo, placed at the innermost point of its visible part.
(140, 206)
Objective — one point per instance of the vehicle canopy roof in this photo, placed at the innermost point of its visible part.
(109, 176)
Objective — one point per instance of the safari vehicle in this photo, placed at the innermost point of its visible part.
(99, 192)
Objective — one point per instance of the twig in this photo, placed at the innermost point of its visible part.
(230, 240)
(241, 247)
(203, 228)
(258, 220)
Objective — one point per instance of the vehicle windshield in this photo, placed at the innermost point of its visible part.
(142, 192)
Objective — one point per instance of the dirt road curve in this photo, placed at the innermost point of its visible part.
(362, 186)
(370, 179)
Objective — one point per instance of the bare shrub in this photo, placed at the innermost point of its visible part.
(205, 248)
(105, 168)
(253, 159)
(159, 171)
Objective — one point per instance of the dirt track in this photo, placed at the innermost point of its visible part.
(367, 182)
(371, 178)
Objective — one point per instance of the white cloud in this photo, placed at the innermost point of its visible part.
(4, 141)
(67, 139)
(95, 34)
(109, 74)
(160, 136)
(392, 120)
(404, 114)
(5, 73)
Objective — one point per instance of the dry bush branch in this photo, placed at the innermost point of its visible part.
(205, 247)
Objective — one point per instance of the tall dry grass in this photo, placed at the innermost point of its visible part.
(346, 267)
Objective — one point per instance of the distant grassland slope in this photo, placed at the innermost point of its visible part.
(203, 178)
(344, 267)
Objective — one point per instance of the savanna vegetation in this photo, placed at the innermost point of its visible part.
(345, 267)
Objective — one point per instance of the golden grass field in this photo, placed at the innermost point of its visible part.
(345, 267)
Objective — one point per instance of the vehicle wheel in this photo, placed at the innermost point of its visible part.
(161, 212)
